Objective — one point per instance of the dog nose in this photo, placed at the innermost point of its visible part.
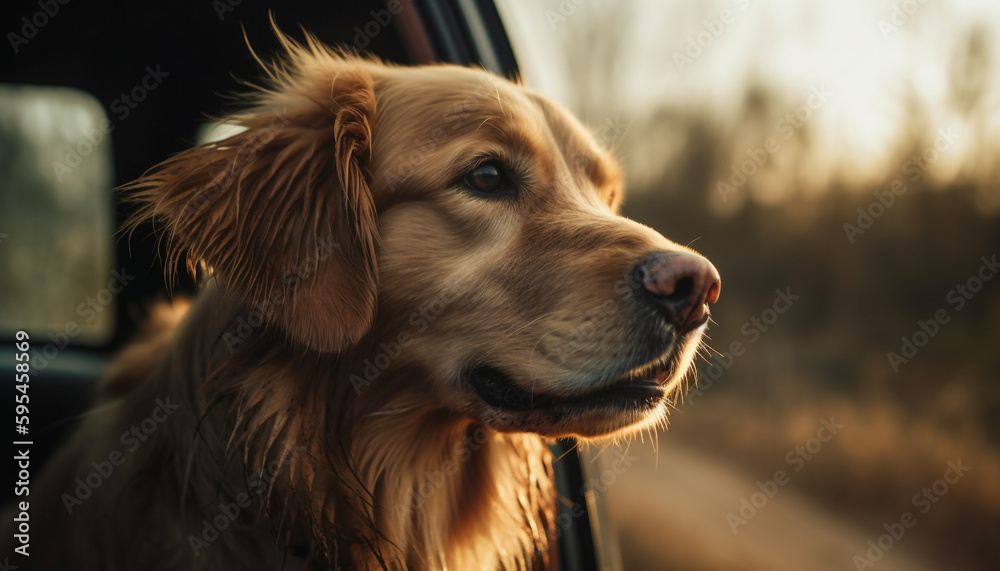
(680, 284)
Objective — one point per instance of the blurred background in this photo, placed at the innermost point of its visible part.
(837, 161)
(755, 130)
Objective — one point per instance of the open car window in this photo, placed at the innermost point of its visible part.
(56, 222)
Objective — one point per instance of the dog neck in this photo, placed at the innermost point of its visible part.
(394, 486)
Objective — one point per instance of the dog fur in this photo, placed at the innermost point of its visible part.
(316, 382)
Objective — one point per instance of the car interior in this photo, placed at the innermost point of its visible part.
(148, 78)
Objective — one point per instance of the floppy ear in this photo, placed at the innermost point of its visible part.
(282, 212)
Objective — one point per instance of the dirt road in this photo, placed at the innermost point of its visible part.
(674, 518)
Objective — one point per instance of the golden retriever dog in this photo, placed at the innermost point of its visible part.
(415, 278)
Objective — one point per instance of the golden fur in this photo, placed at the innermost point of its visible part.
(320, 371)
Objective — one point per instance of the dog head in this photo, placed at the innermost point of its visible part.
(447, 224)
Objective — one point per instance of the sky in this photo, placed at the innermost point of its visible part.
(878, 59)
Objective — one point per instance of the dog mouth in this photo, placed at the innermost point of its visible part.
(634, 396)
(641, 389)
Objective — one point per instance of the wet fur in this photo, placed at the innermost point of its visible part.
(330, 227)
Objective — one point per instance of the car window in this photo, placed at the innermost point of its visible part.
(56, 220)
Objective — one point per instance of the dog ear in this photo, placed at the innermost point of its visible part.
(282, 212)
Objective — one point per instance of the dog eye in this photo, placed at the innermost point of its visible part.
(487, 178)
